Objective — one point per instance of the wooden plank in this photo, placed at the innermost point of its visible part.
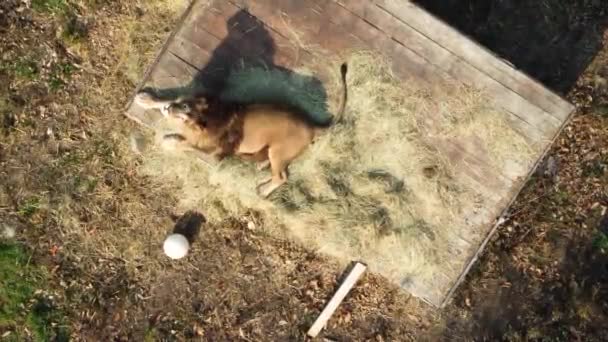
(314, 27)
(477, 172)
(297, 18)
(499, 219)
(415, 65)
(220, 14)
(374, 37)
(337, 298)
(380, 41)
(403, 61)
(298, 29)
(216, 22)
(445, 60)
(367, 13)
(197, 53)
(213, 47)
(474, 166)
(170, 73)
(243, 39)
(441, 33)
(135, 112)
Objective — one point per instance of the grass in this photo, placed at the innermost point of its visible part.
(29, 207)
(601, 241)
(74, 29)
(23, 68)
(50, 6)
(14, 290)
(595, 168)
(7, 116)
(602, 110)
(20, 306)
(60, 75)
(92, 197)
(150, 335)
(26, 69)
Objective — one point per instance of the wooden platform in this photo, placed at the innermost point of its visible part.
(217, 34)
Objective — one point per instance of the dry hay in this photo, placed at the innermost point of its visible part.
(372, 187)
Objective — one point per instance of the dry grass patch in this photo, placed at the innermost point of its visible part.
(105, 179)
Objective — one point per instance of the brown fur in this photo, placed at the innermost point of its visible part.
(267, 134)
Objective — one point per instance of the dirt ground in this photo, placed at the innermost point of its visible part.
(73, 197)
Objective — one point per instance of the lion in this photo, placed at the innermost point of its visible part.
(271, 135)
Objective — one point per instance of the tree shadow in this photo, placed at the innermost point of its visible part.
(242, 70)
(553, 41)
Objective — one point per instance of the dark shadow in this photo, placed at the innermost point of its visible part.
(568, 306)
(189, 225)
(242, 70)
(553, 41)
(563, 298)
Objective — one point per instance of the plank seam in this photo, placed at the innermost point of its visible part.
(196, 44)
(184, 61)
(275, 30)
(524, 120)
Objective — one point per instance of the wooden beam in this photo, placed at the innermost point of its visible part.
(335, 301)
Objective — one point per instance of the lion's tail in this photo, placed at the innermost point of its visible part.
(340, 114)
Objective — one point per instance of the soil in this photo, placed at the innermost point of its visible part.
(72, 192)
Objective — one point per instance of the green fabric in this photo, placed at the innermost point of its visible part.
(258, 84)
(304, 94)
